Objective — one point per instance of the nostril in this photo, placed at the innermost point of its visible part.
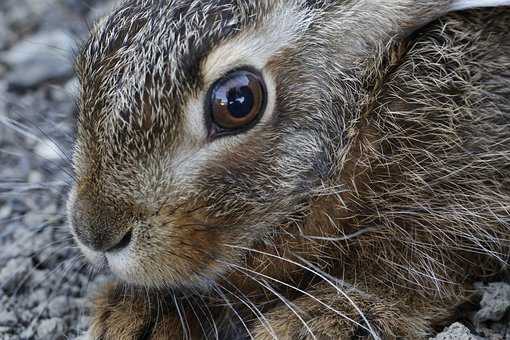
(123, 243)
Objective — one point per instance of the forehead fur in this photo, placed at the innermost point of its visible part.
(147, 60)
(146, 43)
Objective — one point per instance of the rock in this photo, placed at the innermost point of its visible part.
(32, 47)
(43, 57)
(15, 274)
(35, 177)
(24, 15)
(4, 32)
(39, 296)
(50, 329)
(456, 331)
(85, 336)
(11, 251)
(495, 302)
(33, 218)
(5, 211)
(8, 318)
(26, 316)
(11, 337)
(83, 322)
(72, 88)
(28, 333)
(99, 12)
(48, 150)
(59, 306)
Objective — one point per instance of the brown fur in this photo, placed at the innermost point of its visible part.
(406, 205)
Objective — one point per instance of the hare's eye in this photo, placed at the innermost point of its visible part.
(237, 100)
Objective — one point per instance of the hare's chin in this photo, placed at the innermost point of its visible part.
(120, 263)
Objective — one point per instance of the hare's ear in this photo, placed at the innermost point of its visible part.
(457, 5)
(427, 11)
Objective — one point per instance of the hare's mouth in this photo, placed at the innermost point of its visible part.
(138, 265)
(120, 260)
(121, 264)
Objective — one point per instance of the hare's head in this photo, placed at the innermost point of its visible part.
(205, 124)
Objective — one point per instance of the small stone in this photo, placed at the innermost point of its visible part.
(495, 302)
(34, 219)
(24, 15)
(39, 296)
(456, 331)
(5, 211)
(84, 336)
(8, 319)
(72, 88)
(4, 32)
(25, 51)
(59, 306)
(99, 12)
(28, 333)
(35, 177)
(39, 58)
(15, 274)
(26, 316)
(11, 251)
(50, 329)
(83, 323)
(41, 310)
(40, 276)
(12, 337)
(48, 150)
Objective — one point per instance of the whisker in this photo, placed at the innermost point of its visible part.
(368, 326)
(197, 317)
(251, 306)
(217, 287)
(282, 298)
(209, 314)
(182, 318)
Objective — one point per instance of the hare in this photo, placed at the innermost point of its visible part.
(292, 169)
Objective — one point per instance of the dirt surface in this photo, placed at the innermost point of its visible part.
(43, 280)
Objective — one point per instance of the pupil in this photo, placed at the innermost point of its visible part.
(240, 101)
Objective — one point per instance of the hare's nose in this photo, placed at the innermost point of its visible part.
(104, 244)
(100, 228)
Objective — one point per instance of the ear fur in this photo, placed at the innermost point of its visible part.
(458, 5)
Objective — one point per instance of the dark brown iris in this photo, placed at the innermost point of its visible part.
(237, 100)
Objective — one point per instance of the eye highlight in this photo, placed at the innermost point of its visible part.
(237, 100)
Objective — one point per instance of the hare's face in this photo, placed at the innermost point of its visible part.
(193, 136)
(205, 126)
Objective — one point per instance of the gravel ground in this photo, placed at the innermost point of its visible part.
(43, 280)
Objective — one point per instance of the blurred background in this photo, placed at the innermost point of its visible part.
(43, 280)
